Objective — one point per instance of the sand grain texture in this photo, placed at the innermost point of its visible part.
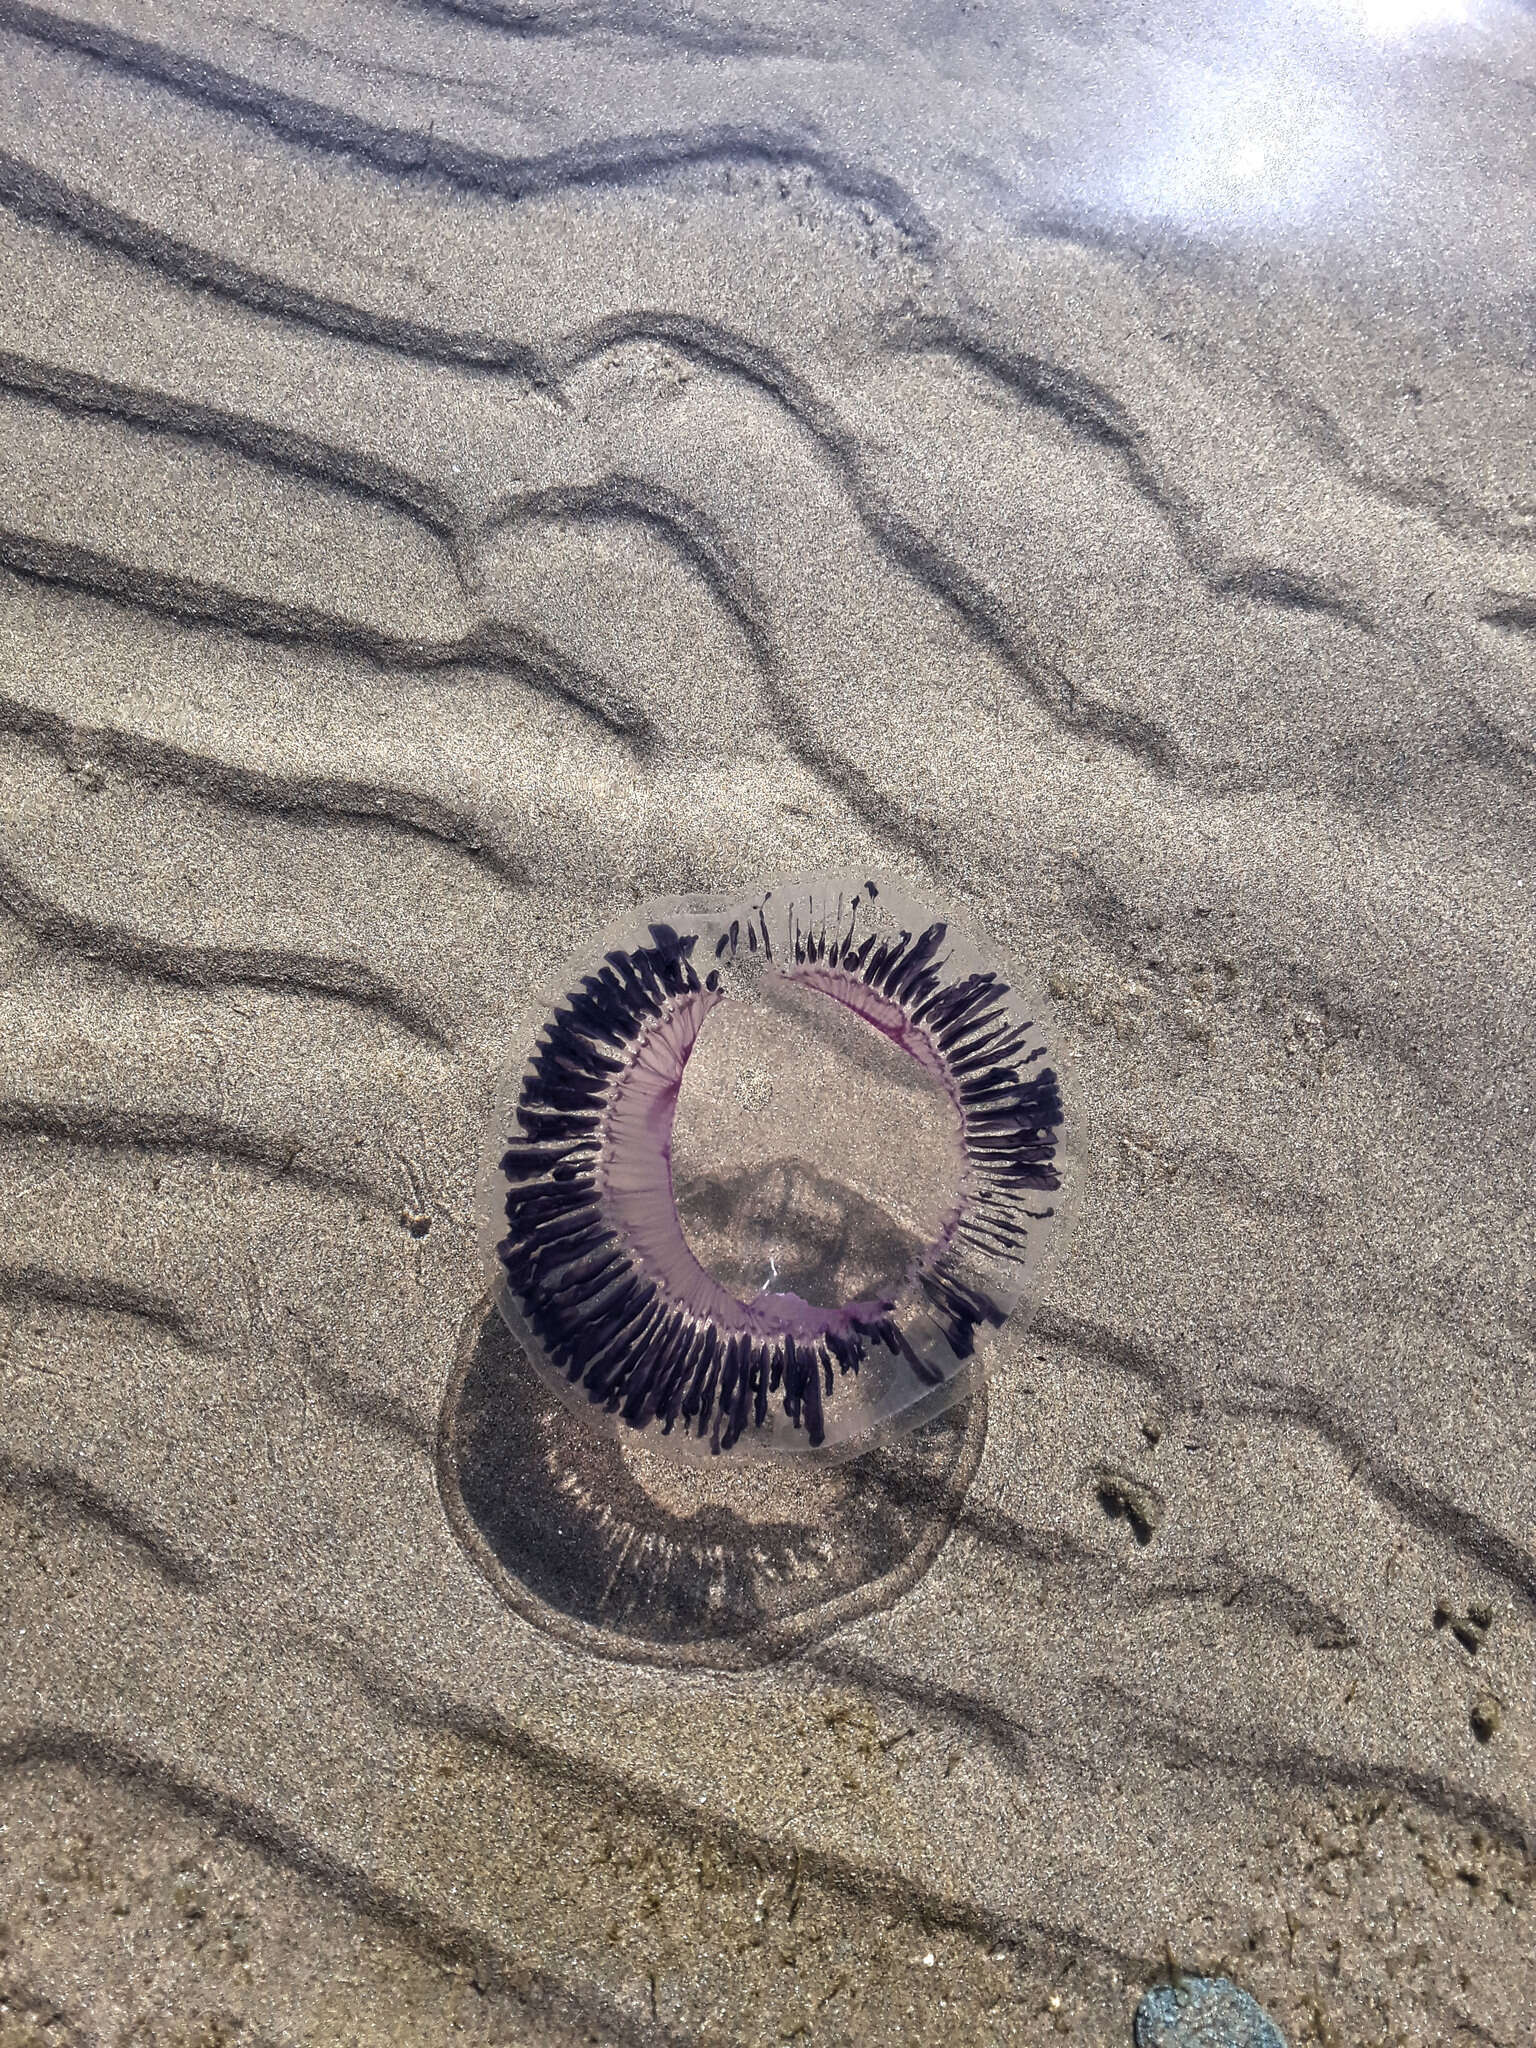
(468, 468)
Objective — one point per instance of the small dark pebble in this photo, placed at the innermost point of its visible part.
(1204, 2012)
(1487, 1712)
(1469, 1629)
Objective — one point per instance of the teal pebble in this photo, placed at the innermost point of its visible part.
(1204, 2012)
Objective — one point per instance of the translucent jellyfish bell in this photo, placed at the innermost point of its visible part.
(776, 1170)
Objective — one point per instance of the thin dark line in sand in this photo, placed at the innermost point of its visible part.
(1224, 1581)
(1231, 1584)
(278, 1843)
(875, 1889)
(40, 1287)
(207, 967)
(707, 342)
(374, 1410)
(280, 450)
(309, 800)
(174, 1131)
(661, 25)
(1451, 512)
(612, 164)
(1179, 1743)
(1097, 1344)
(1096, 418)
(668, 31)
(93, 1505)
(686, 529)
(492, 646)
(1185, 1745)
(1019, 1743)
(1512, 610)
(1494, 747)
(38, 196)
(1012, 1739)
(1476, 1539)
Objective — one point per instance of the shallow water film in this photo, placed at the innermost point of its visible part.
(476, 473)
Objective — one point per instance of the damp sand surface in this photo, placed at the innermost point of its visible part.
(467, 475)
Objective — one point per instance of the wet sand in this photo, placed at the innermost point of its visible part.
(469, 470)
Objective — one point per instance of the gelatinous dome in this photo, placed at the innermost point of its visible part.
(776, 1169)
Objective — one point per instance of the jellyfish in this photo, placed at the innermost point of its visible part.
(776, 1170)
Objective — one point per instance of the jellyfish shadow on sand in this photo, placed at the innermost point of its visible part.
(615, 1547)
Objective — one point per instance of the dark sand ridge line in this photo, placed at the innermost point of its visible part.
(1451, 511)
(869, 1886)
(205, 967)
(1264, 1596)
(430, 1933)
(38, 1287)
(1425, 1507)
(1120, 1351)
(374, 1410)
(324, 800)
(1185, 1745)
(286, 451)
(104, 1127)
(1493, 746)
(683, 527)
(613, 163)
(1221, 1577)
(690, 30)
(491, 645)
(706, 342)
(95, 1507)
(1096, 418)
(1514, 610)
(1173, 1742)
(1285, 1765)
(1269, 1596)
(1352, 1016)
(686, 33)
(39, 197)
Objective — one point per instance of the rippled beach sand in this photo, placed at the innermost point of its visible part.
(471, 467)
